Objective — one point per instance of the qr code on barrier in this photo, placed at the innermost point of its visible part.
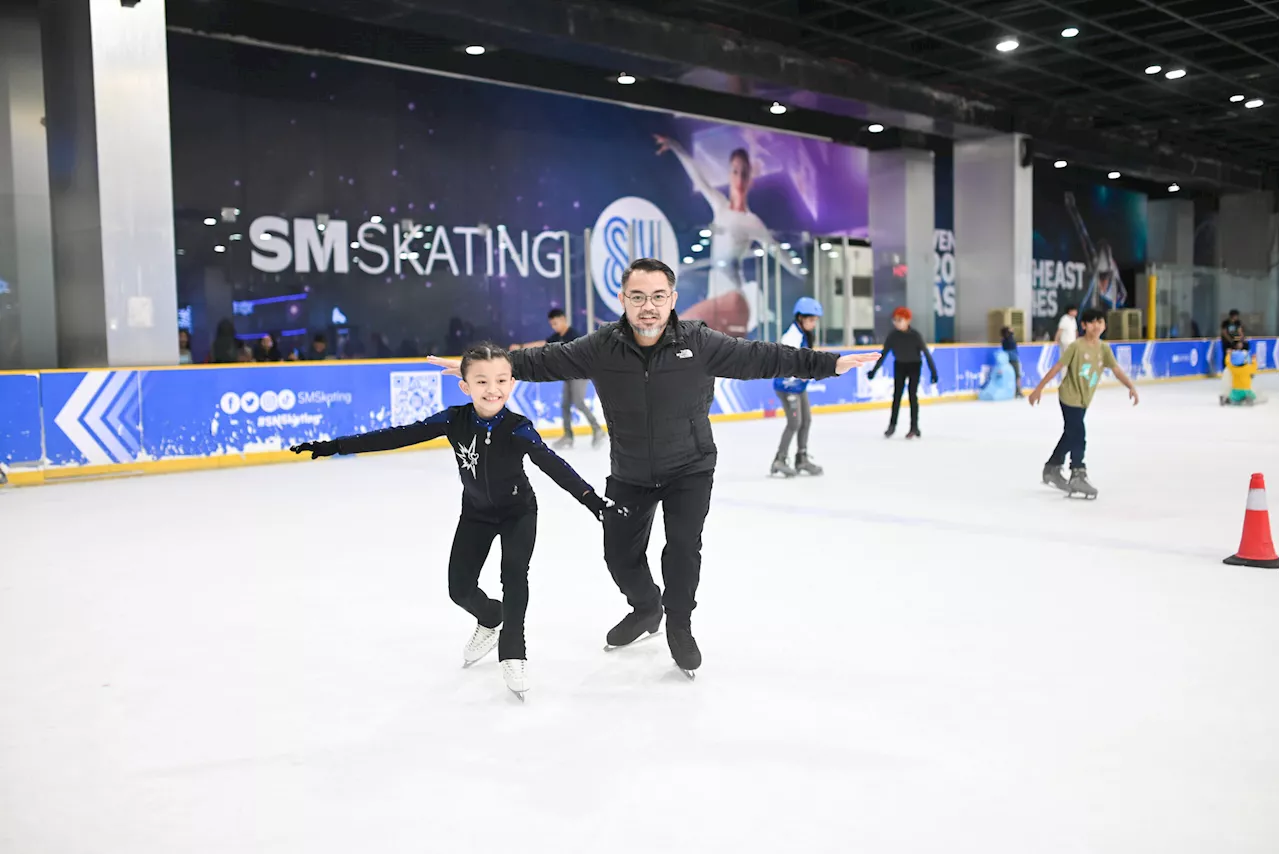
(414, 396)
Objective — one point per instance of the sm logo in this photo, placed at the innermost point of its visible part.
(629, 228)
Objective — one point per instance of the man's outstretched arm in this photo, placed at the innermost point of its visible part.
(571, 360)
(739, 359)
(549, 363)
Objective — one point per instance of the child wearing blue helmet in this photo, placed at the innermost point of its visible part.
(794, 394)
(1240, 367)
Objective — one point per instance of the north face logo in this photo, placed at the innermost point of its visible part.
(684, 354)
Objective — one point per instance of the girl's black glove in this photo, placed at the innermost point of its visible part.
(317, 449)
(602, 507)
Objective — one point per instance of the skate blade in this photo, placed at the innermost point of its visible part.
(518, 694)
(466, 664)
(640, 640)
(689, 674)
(1083, 495)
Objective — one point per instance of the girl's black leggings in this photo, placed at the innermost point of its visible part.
(471, 543)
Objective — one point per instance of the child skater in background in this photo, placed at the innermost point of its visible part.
(1241, 367)
(794, 394)
(907, 346)
(1085, 358)
(490, 443)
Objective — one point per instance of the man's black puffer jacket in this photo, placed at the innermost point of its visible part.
(656, 404)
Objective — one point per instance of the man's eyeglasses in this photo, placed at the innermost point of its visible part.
(658, 299)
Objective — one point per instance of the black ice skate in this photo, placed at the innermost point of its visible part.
(1052, 475)
(780, 467)
(913, 433)
(597, 438)
(632, 627)
(805, 466)
(888, 434)
(684, 649)
(1079, 486)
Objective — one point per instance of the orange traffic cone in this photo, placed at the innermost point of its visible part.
(1256, 548)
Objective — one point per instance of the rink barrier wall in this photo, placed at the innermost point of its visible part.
(65, 424)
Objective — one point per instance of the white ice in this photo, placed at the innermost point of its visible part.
(926, 650)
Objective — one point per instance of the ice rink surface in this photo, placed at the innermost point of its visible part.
(926, 650)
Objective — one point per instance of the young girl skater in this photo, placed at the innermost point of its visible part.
(907, 346)
(794, 394)
(490, 443)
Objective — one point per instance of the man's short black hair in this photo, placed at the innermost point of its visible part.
(1092, 315)
(649, 265)
(554, 313)
(1235, 312)
(320, 338)
(1070, 308)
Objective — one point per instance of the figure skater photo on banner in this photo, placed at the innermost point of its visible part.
(1105, 288)
(733, 305)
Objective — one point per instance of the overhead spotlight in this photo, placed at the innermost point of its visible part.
(777, 109)
(1007, 45)
(706, 232)
(1153, 69)
(1235, 99)
(759, 253)
(877, 128)
(1253, 103)
(1173, 188)
(804, 271)
(1175, 74)
(833, 254)
(1113, 175)
(688, 259)
(825, 247)
(784, 246)
(1070, 32)
(375, 219)
(1059, 164)
(237, 237)
(355, 245)
(795, 260)
(230, 214)
(697, 247)
(219, 248)
(210, 221)
(626, 79)
(474, 49)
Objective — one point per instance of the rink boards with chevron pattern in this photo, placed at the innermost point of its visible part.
(109, 418)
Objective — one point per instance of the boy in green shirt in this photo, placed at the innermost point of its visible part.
(1084, 360)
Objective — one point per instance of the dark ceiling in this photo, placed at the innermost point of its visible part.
(1094, 80)
(927, 69)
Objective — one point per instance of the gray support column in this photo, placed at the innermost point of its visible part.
(28, 320)
(993, 232)
(1246, 231)
(900, 191)
(1171, 232)
(107, 101)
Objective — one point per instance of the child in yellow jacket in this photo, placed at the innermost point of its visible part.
(1241, 367)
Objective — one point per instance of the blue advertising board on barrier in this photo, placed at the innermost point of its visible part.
(70, 419)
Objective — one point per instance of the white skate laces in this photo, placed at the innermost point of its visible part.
(482, 641)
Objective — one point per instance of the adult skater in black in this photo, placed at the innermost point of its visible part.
(907, 346)
(655, 376)
(490, 443)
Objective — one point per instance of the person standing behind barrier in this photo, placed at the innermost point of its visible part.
(1009, 343)
(1068, 329)
(1232, 333)
(794, 394)
(573, 394)
(907, 346)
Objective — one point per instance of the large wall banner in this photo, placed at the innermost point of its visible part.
(1089, 248)
(413, 212)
